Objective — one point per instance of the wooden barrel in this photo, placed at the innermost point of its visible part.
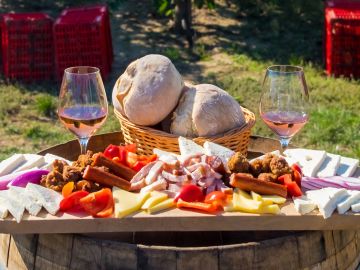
(181, 250)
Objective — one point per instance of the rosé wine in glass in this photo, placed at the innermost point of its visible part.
(284, 101)
(83, 106)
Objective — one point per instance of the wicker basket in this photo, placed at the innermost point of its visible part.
(148, 138)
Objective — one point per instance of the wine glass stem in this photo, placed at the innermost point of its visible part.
(284, 143)
(83, 145)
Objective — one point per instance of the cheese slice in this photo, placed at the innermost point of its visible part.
(327, 199)
(168, 203)
(127, 202)
(3, 209)
(7, 166)
(329, 165)
(345, 205)
(347, 166)
(188, 147)
(26, 200)
(355, 207)
(48, 198)
(213, 149)
(273, 199)
(303, 205)
(31, 161)
(12, 205)
(155, 198)
(309, 160)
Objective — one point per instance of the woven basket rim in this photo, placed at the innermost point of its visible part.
(249, 123)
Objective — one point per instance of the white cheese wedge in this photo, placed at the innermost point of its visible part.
(12, 204)
(303, 205)
(7, 166)
(327, 199)
(329, 165)
(188, 147)
(31, 161)
(355, 207)
(3, 209)
(345, 205)
(26, 200)
(347, 166)
(309, 160)
(213, 149)
(48, 198)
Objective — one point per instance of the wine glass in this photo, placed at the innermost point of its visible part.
(284, 101)
(82, 106)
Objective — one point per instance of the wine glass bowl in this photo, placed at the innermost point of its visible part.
(82, 106)
(284, 101)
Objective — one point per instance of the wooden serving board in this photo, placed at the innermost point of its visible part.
(176, 219)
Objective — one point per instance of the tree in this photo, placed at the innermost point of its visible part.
(181, 11)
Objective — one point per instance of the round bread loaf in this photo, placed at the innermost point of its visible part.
(206, 110)
(148, 90)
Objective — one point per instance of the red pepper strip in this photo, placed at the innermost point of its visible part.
(112, 151)
(297, 177)
(211, 208)
(285, 178)
(190, 193)
(297, 168)
(73, 200)
(293, 189)
(217, 198)
(130, 147)
(96, 202)
(108, 210)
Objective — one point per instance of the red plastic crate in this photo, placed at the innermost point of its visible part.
(27, 46)
(342, 40)
(82, 37)
(101, 8)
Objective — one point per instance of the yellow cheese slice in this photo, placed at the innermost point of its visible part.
(127, 202)
(273, 199)
(270, 209)
(155, 198)
(168, 203)
(255, 196)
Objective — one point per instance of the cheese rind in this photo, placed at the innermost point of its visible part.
(329, 165)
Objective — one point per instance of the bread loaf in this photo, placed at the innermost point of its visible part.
(206, 110)
(148, 90)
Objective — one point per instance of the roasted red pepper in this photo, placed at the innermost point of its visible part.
(72, 201)
(112, 151)
(98, 202)
(293, 189)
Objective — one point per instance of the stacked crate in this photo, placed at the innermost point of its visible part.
(342, 38)
(82, 37)
(27, 46)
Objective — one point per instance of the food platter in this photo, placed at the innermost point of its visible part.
(176, 219)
